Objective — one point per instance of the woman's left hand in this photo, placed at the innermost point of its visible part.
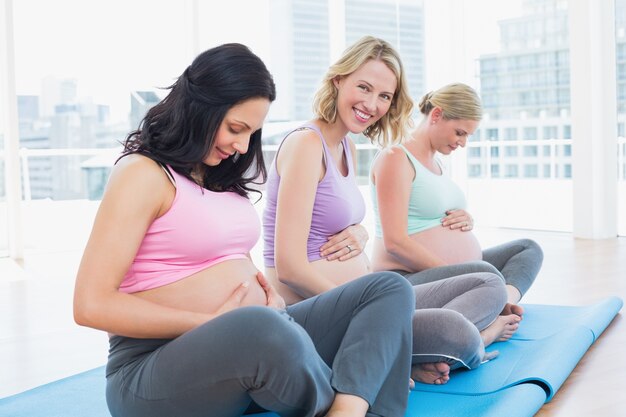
(273, 297)
(346, 244)
(458, 219)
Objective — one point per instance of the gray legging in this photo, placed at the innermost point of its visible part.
(449, 315)
(517, 262)
(354, 339)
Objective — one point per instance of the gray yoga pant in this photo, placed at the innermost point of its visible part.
(449, 315)
(354, 339)
(517, 263)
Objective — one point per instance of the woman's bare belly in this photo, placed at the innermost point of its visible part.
(337, 271)
(207, 290)
(453, 246)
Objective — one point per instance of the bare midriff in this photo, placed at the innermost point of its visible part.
(207, 290)
(339, 272)
(452, 246)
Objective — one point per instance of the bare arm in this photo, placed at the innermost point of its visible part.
(393, 175)
(137, 193)
(355, 235)
(300, 168)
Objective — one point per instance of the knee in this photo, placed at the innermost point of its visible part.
(458, 329)
(393, 287)
(482, 266)
(282, 350)
(496, 287)
(530, 247)
(534, 248)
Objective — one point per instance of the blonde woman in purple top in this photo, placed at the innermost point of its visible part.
(313, 237)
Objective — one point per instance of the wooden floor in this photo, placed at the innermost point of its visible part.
(39, 341)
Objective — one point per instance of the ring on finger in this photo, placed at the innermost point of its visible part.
(349, 248)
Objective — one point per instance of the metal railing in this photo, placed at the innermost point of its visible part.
(485, 160)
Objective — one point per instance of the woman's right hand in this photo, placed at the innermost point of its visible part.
(235, 299)
(274, 299)
(348, 243)
(458, 219)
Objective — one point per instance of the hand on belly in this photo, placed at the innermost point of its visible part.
(208, 290)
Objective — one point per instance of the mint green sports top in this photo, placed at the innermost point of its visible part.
(431, 196)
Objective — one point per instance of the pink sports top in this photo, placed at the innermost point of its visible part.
(202, 228)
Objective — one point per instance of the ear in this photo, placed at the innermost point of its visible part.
(337, 81)
(436, 114)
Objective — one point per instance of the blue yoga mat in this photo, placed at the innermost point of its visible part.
(545, 320)
(544, 351)
(83, 395)
(530, 369)
(518, 401)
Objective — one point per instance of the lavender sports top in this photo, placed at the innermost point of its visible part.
(338, 203)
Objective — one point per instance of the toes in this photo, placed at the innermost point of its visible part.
(517, 309)
(442, 380)
(442, 367)
(511, 327)
(431, 373)
(512, 309)
(490, 355)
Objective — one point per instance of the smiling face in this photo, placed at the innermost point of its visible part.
(239, 123)
(448, 134)
(365, 95)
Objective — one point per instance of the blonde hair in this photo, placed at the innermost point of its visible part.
(392, 126)
(457, 101)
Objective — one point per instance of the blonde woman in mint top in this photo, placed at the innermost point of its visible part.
(423, 230)
(314, 241)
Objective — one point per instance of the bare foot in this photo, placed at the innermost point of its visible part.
(437, 373)
(501, 329)
(512, 309)
(490, 355)
(347, 405)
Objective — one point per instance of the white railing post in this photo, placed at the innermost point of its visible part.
(11, 131)
(25, 174)
(594, 134)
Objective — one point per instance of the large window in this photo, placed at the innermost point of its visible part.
(88, 71)
(524, 82)
(83, 83)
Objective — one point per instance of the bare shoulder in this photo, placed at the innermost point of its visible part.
(302, 141)
(138, 170)
(301, 152)
(394, 151)
(137, 177)
(391, 156)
